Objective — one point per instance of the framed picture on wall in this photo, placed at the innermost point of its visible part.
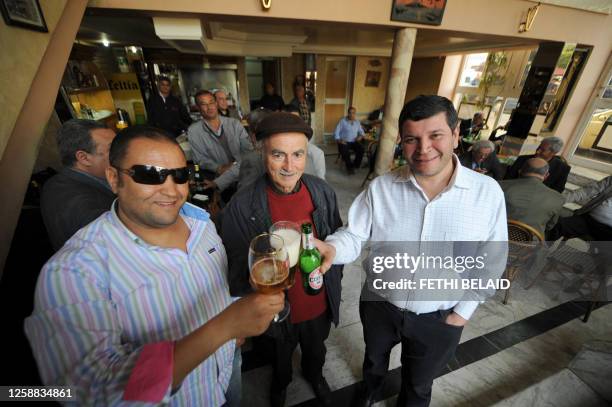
(23, 13)
(418, 11)
(372, 79)
(603, 141)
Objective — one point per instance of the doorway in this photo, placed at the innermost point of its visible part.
(337, 93)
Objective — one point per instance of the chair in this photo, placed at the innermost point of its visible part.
(371, 154)
(523, 241)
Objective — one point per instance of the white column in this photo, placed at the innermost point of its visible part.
(401, 59)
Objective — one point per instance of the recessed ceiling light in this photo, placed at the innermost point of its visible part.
(105, 42)
(133, 49)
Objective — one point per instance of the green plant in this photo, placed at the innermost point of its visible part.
(494, 75)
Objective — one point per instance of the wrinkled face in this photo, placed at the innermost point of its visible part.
(482, 154)
(352, 114)
(221, 99)
(149, 206)
(164, 88)
(544, 151)
(208, 106)
(428, 144)
(269, 89)
(98, 160)
(285, 159)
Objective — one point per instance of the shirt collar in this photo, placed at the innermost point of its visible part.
(188, 211)
(459, 178)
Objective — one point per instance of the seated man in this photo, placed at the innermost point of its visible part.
(166, 111)
(558, 168)
(135, 307)
(225, 109)
(482, 158)
(217, 144)
(286, 193)
(529, 201)
(594, 218)
(79, 193)
(348, 135)
(471, 127)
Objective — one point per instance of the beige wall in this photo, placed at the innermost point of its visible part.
(27, 103)
(369, 98)
(22, 51)
(424, 79)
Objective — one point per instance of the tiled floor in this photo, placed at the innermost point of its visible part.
(504, 348)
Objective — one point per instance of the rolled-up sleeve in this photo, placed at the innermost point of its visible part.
(77, 341)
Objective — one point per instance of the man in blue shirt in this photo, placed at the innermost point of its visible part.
(348, 135)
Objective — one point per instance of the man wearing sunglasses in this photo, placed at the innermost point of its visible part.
(217, 143)
(135, 307)
(285, 193)
(79, 193)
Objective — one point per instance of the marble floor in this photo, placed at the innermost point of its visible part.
(504, 349)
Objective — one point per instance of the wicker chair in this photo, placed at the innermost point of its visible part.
(523, 241)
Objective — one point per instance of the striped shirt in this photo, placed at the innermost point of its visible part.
(394, 208)
(109, 306)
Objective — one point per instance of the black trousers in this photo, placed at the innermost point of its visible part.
(311, 336)
(345, 152)
(580, 226)
(427, 341)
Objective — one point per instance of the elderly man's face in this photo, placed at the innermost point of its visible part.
(428, 144)
(149, 206)
(98, 160)
(164, 88)
(482, 154)
(208, 107)
(544, 151)
(221, 99)
(285, 159)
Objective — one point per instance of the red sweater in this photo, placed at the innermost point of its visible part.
(298, 208)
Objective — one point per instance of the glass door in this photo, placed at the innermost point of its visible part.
(593, 149)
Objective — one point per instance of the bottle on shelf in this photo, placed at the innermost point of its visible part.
(198, 184)
(310, 263)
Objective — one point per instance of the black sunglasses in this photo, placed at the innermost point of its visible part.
(152, 175)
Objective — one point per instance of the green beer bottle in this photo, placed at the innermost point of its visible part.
(310, 262)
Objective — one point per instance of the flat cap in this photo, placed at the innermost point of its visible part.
(281, 122)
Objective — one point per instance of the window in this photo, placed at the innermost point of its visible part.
(473, 69)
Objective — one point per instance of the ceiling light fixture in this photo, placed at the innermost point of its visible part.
(133, 49)
(105, 42)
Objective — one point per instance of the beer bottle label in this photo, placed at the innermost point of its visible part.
(315, 279)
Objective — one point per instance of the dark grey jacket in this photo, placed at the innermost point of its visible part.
(248, 215)
(69, 201)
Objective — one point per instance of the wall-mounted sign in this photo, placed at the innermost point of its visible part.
(126, 94)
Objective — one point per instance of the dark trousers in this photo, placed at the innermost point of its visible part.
(311, 336)
(345, 153)
(427, 341)
(580, 226)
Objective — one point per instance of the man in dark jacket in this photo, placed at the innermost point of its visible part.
(529, 201)
(482, 159)
(558, 168)
(286, 193)
(166, 111)
(79, 193)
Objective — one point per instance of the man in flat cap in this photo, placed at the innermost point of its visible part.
(285, 193)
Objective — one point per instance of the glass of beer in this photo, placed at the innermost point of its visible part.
(292, 236)
(269, 265)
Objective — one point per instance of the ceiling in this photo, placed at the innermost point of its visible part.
(597, 6)
(192, 35)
